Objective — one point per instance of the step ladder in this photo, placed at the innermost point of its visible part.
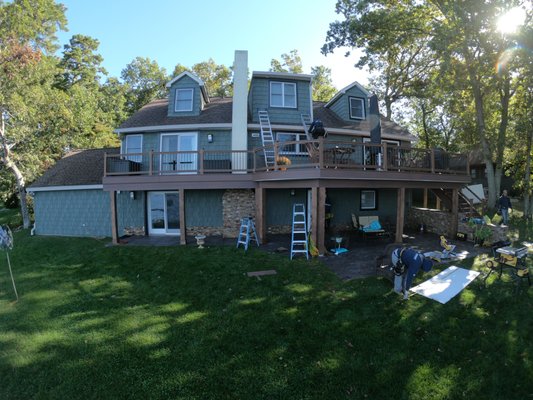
(299, 231)
(247, 233)
(312, 147)
(267, 138)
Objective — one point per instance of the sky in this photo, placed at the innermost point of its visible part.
(189, 32)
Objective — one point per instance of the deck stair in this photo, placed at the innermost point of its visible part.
(247, 233)
(299, 238)
(465, 206)
(267, 138)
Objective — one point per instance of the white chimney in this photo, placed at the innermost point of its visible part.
(239, 123)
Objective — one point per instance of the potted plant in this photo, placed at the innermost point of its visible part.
(283, 161)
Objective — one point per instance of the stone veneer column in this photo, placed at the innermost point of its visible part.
(236, 204)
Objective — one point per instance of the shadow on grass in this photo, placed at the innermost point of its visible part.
(97, 322)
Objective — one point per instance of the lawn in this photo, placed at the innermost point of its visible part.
(100, 322)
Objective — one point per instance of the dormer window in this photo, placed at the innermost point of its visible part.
(357, 108)
(184, 99)
(283, 94)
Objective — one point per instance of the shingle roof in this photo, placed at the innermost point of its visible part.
(331, 120)
(217, 111)
(79, 167)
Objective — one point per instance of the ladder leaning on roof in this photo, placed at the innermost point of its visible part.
(267, 138)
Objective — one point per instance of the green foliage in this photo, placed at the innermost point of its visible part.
(178, 322)
(290, 62)
(323, 89)
(144, 81)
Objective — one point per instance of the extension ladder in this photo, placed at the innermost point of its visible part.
(247, 233)
(267, 138)
(299, 231)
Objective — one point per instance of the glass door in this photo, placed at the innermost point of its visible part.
(163, 213)
(174, 162)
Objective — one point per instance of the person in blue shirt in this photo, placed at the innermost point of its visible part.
(406, 263)
(504, 204)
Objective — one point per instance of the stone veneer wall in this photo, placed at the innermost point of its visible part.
(438, 222)
(236, 204)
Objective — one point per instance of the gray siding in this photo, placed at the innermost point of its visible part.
(345, 202)
(185, 82)
(203, 208)
(341, 107)
(279, 203)
(259, 99)
(72, 213)
(130, 212)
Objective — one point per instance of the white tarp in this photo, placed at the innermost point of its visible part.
(446, 284)
(474, 194)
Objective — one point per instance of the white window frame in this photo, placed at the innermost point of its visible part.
(367, 192)
(125, 148)
(283, 91)
(300, 148)
(176, 96)
(363, 107)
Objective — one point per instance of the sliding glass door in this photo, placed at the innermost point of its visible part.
(163, 213)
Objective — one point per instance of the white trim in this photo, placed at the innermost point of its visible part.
(344, 90)
(176, 99)
(375, 206)
(193, 157)
(158, 231)
(363, 103)
(66, 187)
(282, 75)
(186, 73)
(300, 148)
(163, 128)
(283, 94)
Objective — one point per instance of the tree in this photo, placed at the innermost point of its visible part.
(144, 81)
(81, 64)
(216, 77)
(323, 89)
(27, 35)
(291, 62)
(460, 38)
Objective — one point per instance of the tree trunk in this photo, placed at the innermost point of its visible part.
(10, 165)
(424, 124)
(505, 96)
(528, 199)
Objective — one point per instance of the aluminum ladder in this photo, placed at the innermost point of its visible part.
(267, 138)
(299, 242)
(306, 123)
(247, 233)
(312, 147)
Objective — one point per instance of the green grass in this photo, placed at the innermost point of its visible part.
(9, 216)
(97, 322)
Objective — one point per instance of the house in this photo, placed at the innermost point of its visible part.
(192, 164)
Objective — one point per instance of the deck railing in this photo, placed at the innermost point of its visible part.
(290, 155)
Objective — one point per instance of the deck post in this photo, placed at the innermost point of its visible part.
(432, 161)
(384, 158)
(260, 220)
(321, 152)
(183, 226)
(151, 166)
(114, 222)
(321, 220)
(425, 205)
(201, 161)
(455, 213)
(400, 214)
(314, 216)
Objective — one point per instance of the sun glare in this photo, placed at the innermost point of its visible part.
(511, 20)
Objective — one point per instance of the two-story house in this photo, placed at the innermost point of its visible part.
(192, 164)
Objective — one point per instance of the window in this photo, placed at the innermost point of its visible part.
(368, 200)
(133, 144)
(183, 100)
(294, 148)
(357, 108)
(282, 94)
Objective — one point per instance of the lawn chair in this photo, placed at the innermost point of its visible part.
(369, 226)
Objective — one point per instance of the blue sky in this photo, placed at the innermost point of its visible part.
(189, 32)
